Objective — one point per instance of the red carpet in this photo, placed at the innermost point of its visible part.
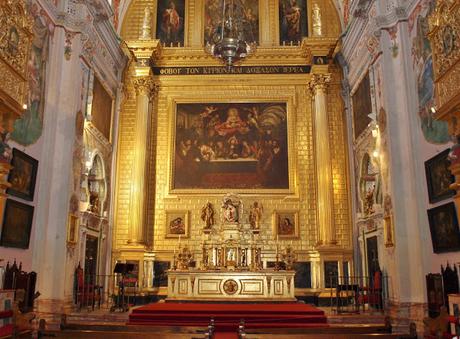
(228, 316)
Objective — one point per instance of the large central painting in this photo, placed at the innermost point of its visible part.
(231, 146)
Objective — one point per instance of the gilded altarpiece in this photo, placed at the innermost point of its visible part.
(291, 85)
(445, 40)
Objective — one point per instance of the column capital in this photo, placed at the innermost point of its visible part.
(145, 86)
(319, 81)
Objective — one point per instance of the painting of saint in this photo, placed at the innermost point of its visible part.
(286, 225)
(434, 131)
(445, 233)
(176, 224)
(23, 175)
(17, 224)
(231, 146)
(293, 21)
(246, 22)
(439, 178)
(170, 22)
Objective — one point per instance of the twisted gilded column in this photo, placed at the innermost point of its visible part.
(145, 90)
(318, 85)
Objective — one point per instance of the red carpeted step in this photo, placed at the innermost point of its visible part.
(226, 335)
(228, 316)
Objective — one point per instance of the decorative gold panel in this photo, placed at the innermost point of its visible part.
(209, 286)
(278, 286)
(183, 286)
(253, 287)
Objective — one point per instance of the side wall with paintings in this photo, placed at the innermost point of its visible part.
(399, 154)
(73, 152)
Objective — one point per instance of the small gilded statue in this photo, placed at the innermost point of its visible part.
(255, 215)
(146, 25)
(316, 17)
(207, 215)
(369, 201)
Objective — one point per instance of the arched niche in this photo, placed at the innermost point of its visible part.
(96, 185)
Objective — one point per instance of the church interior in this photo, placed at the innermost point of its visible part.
(229, 168)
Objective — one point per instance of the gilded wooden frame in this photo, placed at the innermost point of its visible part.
(72, 229)
(171, 216)
(172, 107)
(280, 216)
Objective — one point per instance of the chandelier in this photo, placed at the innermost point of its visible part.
(230, 43)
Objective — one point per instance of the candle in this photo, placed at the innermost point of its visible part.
(179, 240)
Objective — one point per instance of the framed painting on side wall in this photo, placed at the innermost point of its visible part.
(22, 176)
(17, 223)
(439, 178)
(177, 224)
(285, 224)
(445, 234)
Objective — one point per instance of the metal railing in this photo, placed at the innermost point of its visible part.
(355, 294)
(113, 292)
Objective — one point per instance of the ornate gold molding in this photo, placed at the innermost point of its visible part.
(15, 42)
(445, 41)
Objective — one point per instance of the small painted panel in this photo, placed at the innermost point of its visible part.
(170, 22)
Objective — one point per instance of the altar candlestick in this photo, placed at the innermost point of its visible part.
(179, 240)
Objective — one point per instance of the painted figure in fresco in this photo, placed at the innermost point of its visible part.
(433, 130)
(207, 215)
(171, 24)
(28, 128)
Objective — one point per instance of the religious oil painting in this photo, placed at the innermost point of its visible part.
(72, 229)
(293, 21)
(177, 224)
(285, 224)
(231, 146)
(17, 223)
(439, 178)
(170, 22)
(245, 14)
(445, 234)
(22, 176)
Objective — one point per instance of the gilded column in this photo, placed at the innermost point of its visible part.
(318, 86)
(145, 89)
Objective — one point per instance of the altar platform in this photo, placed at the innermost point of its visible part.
(231, 286)
(228, 316)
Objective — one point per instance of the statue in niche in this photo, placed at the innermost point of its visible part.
(316, 17)
(369, 201)
(207, 215)
(255, 215)
(146, 25)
